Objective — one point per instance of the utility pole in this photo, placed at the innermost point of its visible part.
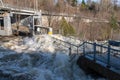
(17, 4)
(2, 3)
(36, 5)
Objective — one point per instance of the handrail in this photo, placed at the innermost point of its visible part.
(95, 45)
(65, 45)
(77, 46)
(104, 43)
(109, 53)
(65, 42)
(102, 46)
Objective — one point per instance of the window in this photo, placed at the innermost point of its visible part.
(36, 21)
(1, 23)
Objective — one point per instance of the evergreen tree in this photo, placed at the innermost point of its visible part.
(66, 28)
(113, 22)
(83, 4)
(71, 30)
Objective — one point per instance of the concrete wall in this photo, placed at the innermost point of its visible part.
(45, 21)
(7, 24)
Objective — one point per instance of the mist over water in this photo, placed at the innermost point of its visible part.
(37, 59)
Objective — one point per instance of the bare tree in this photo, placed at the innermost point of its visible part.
(89, 2)
(105, 4)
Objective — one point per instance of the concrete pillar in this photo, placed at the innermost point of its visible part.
(7, 24)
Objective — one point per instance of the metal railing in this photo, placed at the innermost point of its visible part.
(97, 52)
(106, 52)
(72, 47)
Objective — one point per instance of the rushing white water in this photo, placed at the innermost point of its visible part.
(37, 59)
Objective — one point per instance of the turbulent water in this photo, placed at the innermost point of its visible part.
(38, 58)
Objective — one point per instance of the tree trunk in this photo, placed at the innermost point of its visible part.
(111, 34)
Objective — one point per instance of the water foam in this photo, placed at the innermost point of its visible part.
(34, 60)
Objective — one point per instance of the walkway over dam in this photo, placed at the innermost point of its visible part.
(104, 60)
(100, 58)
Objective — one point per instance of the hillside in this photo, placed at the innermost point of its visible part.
(105, 9)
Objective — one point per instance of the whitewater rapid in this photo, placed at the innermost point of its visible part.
(37, 58)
